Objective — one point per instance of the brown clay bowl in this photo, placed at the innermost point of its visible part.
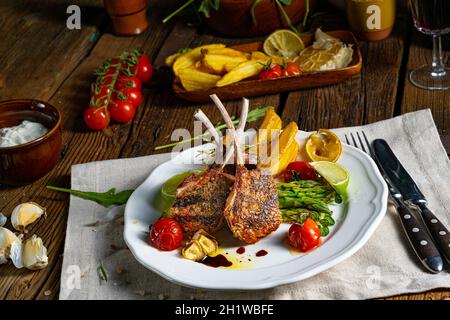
(31, 161)
(234, 17)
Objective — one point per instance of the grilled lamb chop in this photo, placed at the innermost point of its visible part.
(200, 199)
(251, 209)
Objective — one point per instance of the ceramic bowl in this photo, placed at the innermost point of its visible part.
(25, 163)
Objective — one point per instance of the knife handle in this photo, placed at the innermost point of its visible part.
(438, 231)
(421, 242)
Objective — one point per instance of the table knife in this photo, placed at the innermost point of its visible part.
(400, 178)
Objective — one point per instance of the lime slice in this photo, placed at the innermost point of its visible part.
(335, 174)
(167, 195)
(283, 43)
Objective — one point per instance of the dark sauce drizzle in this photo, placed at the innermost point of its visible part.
(218, 261)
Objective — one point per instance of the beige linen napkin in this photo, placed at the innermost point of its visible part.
(385, 266)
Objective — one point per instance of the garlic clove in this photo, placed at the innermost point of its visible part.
(25, 214)
(193, 251)
(3, 219)
(34, 254)
(208, 243)
(8, 240)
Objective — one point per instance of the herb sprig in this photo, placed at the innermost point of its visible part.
(106, 199)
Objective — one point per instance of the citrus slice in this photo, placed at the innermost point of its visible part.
(323, 145)
(283, 43)
(167, 195)
(336, 175)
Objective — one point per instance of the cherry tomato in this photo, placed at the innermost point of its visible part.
(306, 237)
(166, 234)
(284, 73)
(272, 72)
(143, 69)
(97, 118)
(131, 95)
(293, 69)
(125, 82)
(122, 111)
(299, 170)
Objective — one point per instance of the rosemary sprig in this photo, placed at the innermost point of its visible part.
(253, 116)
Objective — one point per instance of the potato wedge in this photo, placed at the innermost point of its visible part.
(224, 52)
(243, 70)
(287, 148)
(258, 55)
(192, 79)
(218, 63)
(188, 59)
(170, 60)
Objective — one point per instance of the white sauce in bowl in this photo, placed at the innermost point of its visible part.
(25, 132)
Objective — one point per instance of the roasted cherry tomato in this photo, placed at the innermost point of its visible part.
(166, 234)
(305, 237)
(271, 72)
(292, 69)
(125, 82)
(299, 170)
(97, 118)
(122, 111)
(143, 69)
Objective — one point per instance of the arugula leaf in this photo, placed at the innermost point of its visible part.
(105, 199)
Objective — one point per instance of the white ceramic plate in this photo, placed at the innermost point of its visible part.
(355, 223)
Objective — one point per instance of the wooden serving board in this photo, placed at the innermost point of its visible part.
(256, 87)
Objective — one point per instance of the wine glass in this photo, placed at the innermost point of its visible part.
(432, 17)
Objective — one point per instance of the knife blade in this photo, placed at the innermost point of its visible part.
(411, 193)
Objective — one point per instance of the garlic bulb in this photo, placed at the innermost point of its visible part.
(34, 254)
(10, 247)
(25, 214)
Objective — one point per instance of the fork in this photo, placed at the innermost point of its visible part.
(415, 230)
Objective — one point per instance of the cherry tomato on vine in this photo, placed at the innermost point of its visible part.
(133, 95)
(143, 69)
(305, 237)
(125, 82)
(299, 170)
(96, 118)
(166, 234)
(122, 111)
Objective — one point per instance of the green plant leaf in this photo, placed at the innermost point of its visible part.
(285, 2)
(105, 199)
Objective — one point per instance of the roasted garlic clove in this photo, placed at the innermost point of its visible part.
(34, 254)
(10, 247)
(25, 214)
(193, 251)
(208, 243)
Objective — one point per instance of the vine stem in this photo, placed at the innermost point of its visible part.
(170, 16)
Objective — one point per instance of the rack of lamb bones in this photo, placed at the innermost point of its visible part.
(248, 200)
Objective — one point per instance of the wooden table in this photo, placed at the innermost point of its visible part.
(40, 58)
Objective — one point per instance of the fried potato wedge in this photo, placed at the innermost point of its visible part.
(258, 55)
(192, 79)
(219, 63)
(224, 52)
(284, 150)
(243, 70)
(188, 59)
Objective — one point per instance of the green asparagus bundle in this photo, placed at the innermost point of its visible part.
(304, 199)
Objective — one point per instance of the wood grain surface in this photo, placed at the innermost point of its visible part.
(40, 58)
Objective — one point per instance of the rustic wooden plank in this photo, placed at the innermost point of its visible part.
(414, 98)
(81, 146)
(38, 52)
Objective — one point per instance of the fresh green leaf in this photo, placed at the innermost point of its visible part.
(105, 199)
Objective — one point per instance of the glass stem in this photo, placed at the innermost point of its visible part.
(438, 63)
